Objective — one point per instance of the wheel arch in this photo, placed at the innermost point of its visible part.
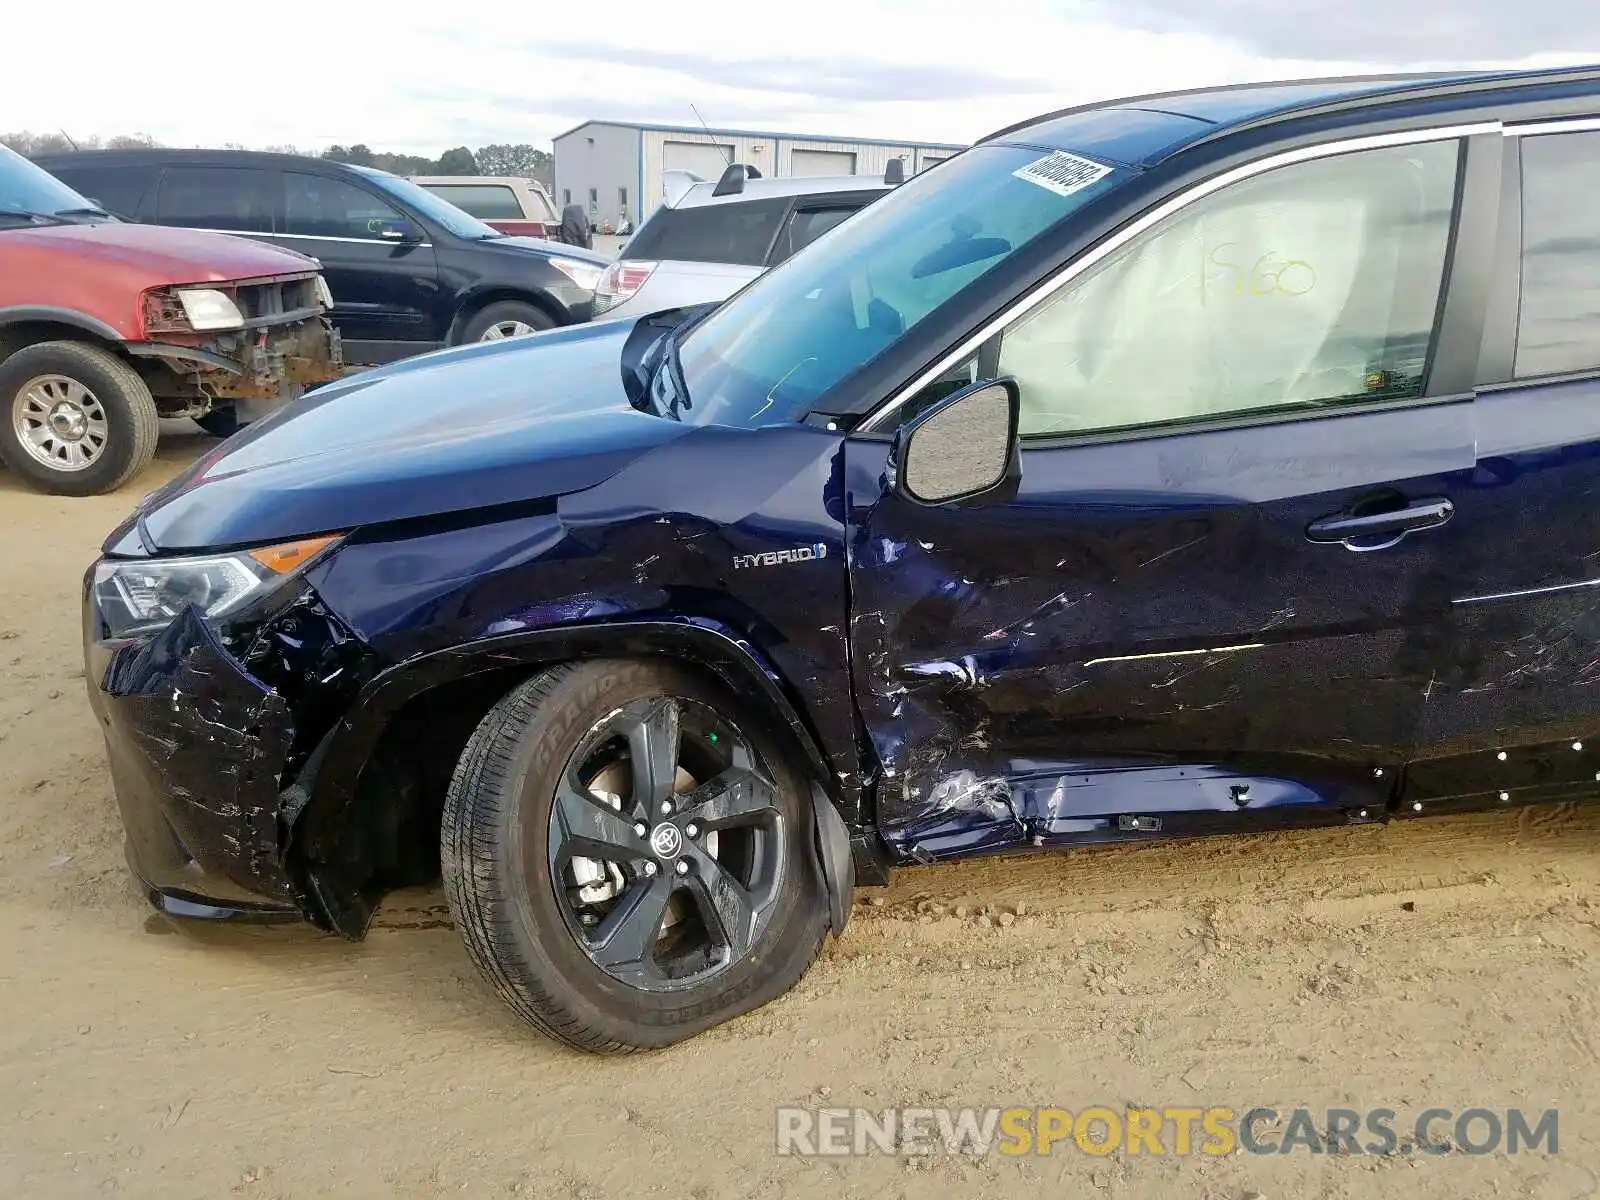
(27, 325)
(474, 303)
(328, 804)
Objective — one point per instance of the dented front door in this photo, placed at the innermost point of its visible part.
(1148, 630)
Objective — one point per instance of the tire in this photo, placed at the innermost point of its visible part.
(502, 862)
(505, 316)
(44, 391)
(220, 422)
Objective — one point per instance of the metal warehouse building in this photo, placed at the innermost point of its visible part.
(616, 171)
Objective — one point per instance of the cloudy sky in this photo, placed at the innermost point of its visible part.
(408, 76)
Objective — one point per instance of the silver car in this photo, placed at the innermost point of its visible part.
(710, 239)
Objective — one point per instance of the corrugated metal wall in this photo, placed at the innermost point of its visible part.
(771, 155)
(870, 160)
(756, 151)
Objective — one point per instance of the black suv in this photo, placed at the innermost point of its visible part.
(409, 271)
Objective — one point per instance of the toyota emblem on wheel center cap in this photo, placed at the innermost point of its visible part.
(666, 841)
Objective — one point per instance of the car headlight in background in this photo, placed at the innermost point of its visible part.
(585, 274)
(207, 308)
(141, 595)
(324, 292)
(620, 281)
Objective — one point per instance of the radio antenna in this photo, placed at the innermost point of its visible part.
(707, 128)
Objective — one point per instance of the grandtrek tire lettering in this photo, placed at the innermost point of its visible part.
(771, 558)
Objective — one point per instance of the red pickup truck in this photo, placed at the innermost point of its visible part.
(106, 327)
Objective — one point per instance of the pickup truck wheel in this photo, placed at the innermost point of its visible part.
(627, 865)
(74, 419)
(505, 319)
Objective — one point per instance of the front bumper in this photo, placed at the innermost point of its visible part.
(197, 748)
(255, 364)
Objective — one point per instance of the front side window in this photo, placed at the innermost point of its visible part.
(420, 200)
(1558, 330)
(1310, 286)
(121, 191)
(236, 199)
(316, 206)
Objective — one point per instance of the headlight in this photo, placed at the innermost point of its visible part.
(208, 308)
(142, 595)
(585, 274)
(324, 293)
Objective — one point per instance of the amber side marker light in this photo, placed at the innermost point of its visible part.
(291, 556)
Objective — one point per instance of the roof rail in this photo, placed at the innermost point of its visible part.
(1398, 78)
(895, 172)
(732, 181)
(1463, 83)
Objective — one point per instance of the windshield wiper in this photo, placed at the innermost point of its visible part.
(34, 218)
(88, 211)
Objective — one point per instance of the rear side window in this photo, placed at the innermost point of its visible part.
(486, 201)
(119, 190)
(807, 225)
(739, 234)
(231, 198)
(1559, 327)
(317, 206)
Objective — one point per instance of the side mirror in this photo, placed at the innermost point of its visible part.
(397, 231)
(964, 449)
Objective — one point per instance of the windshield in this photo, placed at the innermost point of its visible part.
(766, 355)
(435, 208)
(26, 189)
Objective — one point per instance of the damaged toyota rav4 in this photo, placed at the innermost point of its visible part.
(1214, 462)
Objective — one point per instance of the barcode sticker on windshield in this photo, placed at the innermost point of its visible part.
(1063, 173)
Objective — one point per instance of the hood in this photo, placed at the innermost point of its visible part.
(549, 249)
(487, 426)
(156, 254)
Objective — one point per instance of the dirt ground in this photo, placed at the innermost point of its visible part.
(1445, 963)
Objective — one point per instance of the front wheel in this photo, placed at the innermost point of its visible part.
(74, 418)
(627, 865)
(506, 319)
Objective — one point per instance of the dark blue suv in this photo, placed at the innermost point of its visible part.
(1210, 462)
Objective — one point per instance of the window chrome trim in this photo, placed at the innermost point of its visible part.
(877, 421)
(305, 237)
(1561, 125)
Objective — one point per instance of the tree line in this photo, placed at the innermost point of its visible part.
(499, 158)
